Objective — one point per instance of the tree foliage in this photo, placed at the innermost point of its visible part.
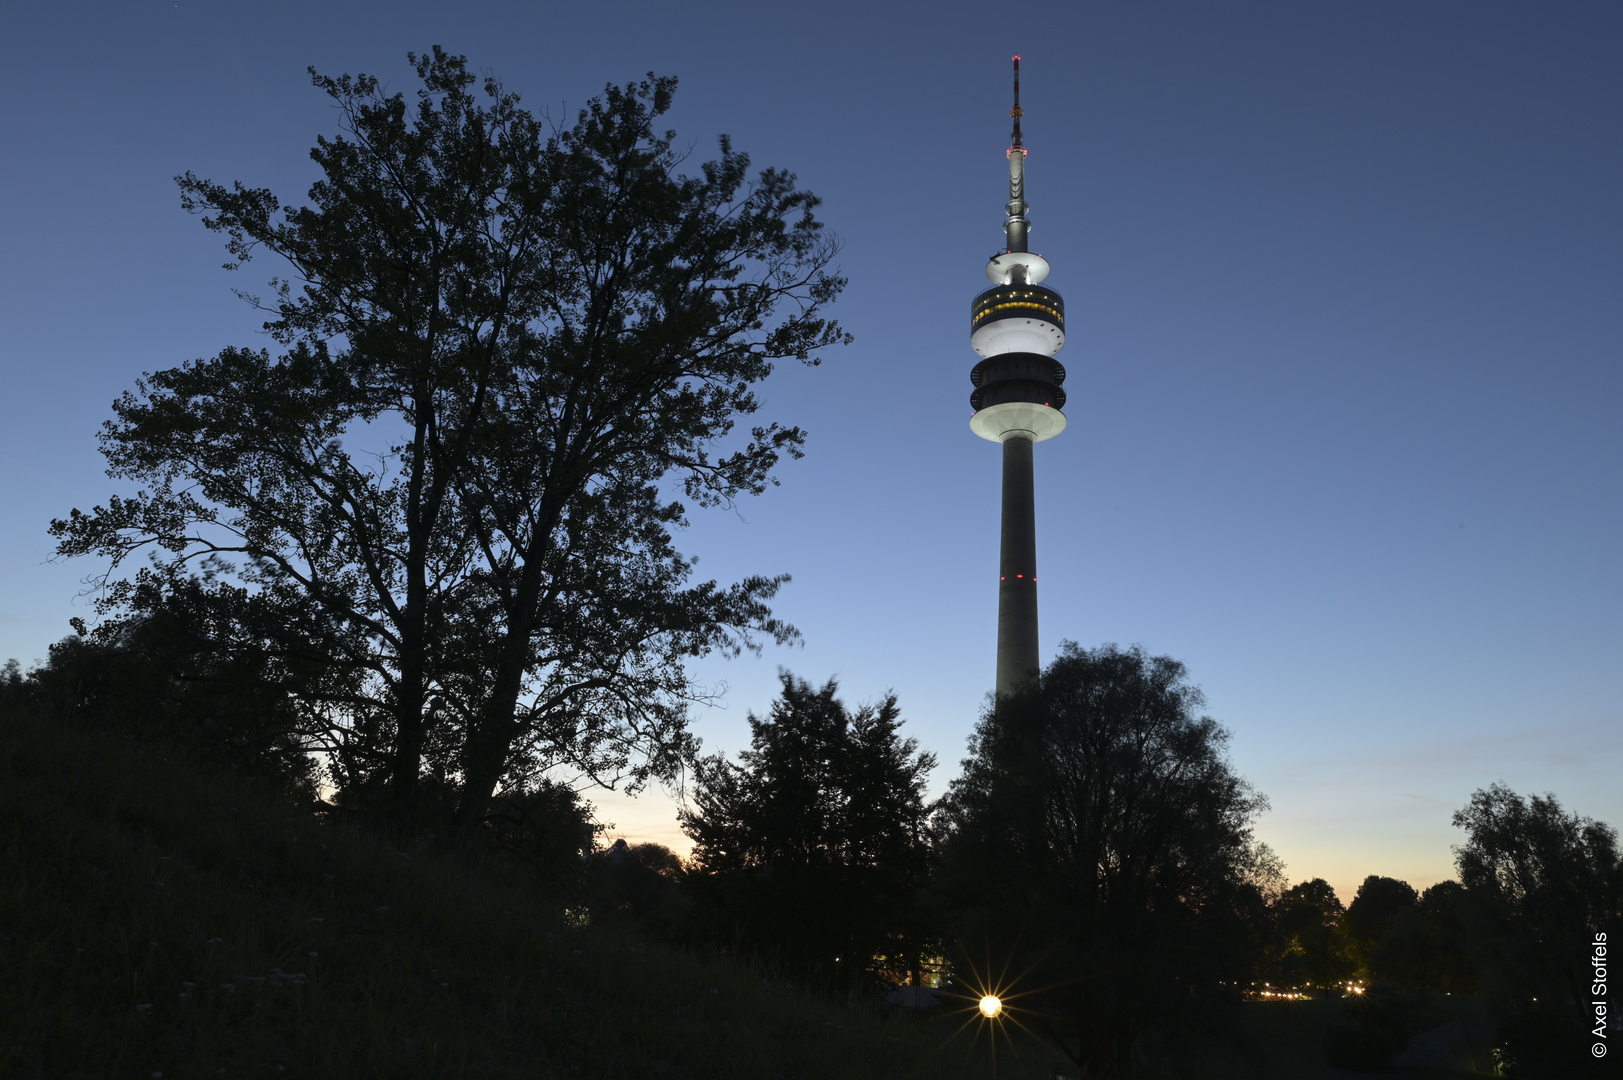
(1384, 931)
(1099, 841)
(1540, 884)
(1389, 935)
(501, 343)
(810, 848)
(186, 671)
(1446, 962)
(1309, 949)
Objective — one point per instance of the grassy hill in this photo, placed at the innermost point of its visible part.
(159, 921)
(156, 921)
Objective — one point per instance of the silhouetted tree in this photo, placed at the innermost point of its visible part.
(502, 342)
(1384, 931)
(1309, 914)
(1393, 934)
(1540, 883)
(14, 695)
(1446, 960)
(810, 849)
(658, 858)
(1099, 842)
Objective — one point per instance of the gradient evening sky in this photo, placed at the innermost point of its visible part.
(1343, 283)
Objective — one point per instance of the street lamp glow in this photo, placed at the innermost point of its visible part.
(991, 1006)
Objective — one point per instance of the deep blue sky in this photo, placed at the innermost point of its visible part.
(1343, 283)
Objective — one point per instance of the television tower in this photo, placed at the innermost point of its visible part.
(1017, 326)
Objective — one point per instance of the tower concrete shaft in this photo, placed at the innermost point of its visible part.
(1017, 655)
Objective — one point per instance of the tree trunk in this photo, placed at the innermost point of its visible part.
(410, 698)
(483, 758)
(406, 761)
(484, 754)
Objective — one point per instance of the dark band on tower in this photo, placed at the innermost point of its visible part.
(1017, 326)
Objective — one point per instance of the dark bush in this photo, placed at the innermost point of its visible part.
(639, 886)
(170, 679)
(548, 831)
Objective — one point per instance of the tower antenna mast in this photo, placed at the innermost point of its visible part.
(1016, 225)
(1017, 112)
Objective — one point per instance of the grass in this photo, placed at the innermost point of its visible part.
(157, 921)
(1290, 1035)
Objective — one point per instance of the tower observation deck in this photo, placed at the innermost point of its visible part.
(1017, 326)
